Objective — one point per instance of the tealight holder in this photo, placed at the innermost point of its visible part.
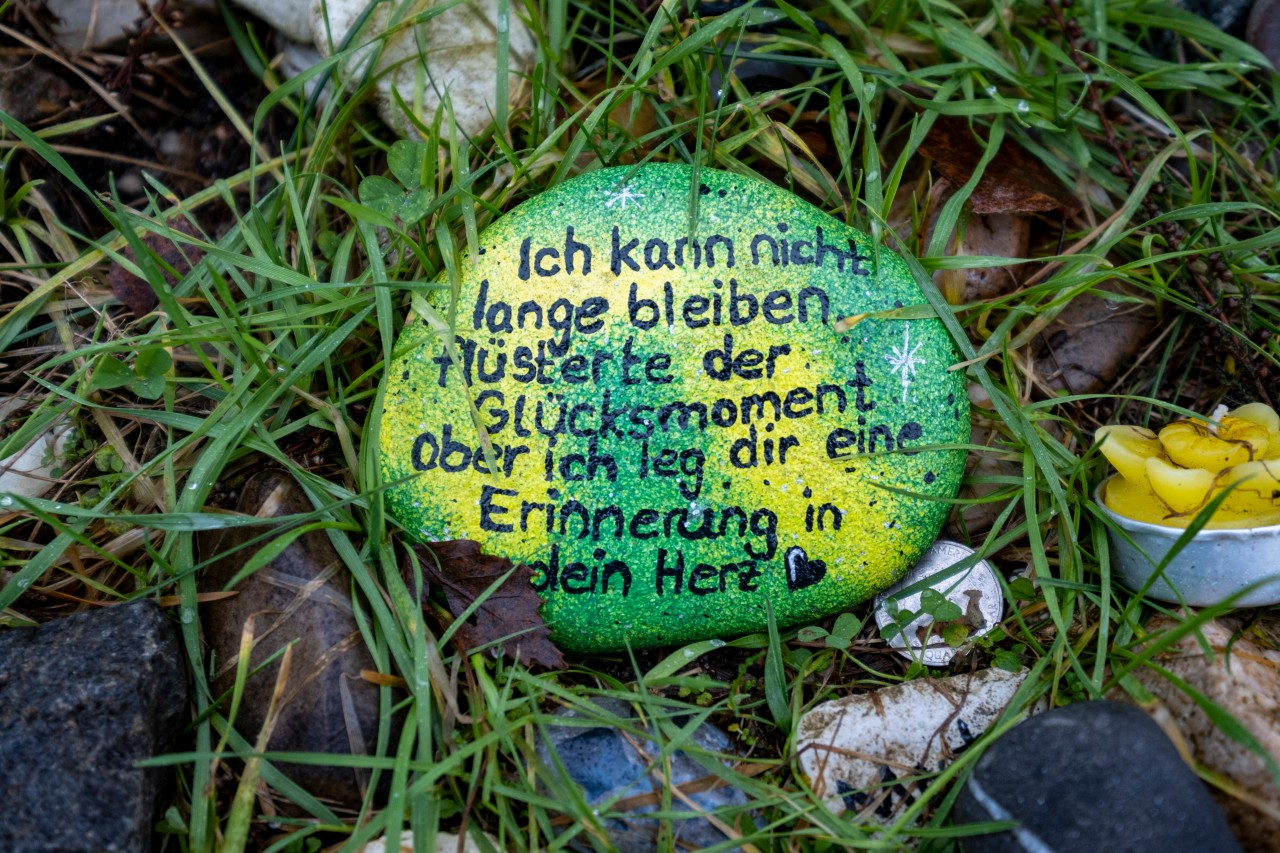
(1239, 565)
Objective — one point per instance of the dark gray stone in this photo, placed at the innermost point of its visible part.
(1088, 777)
(1263, 30)
(300, 597)
(606, 764)
(1227, 15)
(82, 699)
(31, 92)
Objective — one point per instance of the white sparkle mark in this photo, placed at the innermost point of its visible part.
(620, 195)
(904, 359)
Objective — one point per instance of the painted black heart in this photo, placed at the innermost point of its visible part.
(801, 571)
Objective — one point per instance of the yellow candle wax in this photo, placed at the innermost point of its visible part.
(1170, 477)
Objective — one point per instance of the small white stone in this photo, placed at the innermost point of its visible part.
(29, 472)
(453, 53)
(446, 842)
(863, 743)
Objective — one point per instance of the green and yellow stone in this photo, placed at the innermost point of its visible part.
(677, 430)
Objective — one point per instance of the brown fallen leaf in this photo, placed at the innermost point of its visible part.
(136, 293)
(509, 616)
(996, 235)
(1014, 181)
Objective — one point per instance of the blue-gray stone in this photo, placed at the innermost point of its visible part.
(1088, 777)
(605, 763)
(1227, 15)
(82, 700)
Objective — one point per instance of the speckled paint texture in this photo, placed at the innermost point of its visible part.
(678, 431)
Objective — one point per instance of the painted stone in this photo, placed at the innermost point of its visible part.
(680, 433)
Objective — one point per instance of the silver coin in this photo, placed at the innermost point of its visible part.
(976, 591)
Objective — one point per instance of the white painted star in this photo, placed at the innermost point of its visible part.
(620, 195)
(904, 360)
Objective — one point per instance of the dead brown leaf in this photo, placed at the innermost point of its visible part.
(1014, 181)
(509, 616)
(136, 293)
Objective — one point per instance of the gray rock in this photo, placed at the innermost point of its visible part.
(82, 700)
(292, 18)
(31, 93)
(88, 25)
(1088, 777)
(605, 762)
(302, 595)
(1094, 339)
(1263, 30)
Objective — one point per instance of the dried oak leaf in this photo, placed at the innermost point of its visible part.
(509, 616)
(1013, 182)
(135, 292)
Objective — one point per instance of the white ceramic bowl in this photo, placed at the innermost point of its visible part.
(1214, 566)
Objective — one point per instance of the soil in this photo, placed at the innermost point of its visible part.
(172, 129)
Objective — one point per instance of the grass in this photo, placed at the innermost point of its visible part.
(269, 351)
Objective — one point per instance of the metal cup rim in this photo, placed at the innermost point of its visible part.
(1212, 567)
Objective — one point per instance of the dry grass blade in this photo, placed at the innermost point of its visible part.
(247, 790)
